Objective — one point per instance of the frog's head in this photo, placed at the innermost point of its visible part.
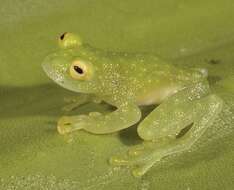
(74, 66)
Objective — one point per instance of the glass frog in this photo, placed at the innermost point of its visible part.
(127, 81)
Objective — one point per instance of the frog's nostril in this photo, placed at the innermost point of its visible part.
(62, 36)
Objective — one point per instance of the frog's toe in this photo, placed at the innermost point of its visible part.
(140, 159)
(140, 170)
(124, 160)
(64, 125)
(68, 124)
(136, 151)
(63, 130)
(131, 158)
(119, 161)
(139, 163)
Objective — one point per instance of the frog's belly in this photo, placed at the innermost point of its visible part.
(156, 96)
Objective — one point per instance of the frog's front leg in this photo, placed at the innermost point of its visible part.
(76, 101)
(126, 115)
(162, 129)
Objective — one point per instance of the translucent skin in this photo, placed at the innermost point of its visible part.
(127, 81)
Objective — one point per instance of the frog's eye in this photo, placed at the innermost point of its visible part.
(80, 70)
(69, 40)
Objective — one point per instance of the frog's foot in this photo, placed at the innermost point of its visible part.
(139, 158)
(68, 124)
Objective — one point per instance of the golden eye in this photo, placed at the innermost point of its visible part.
(80, 70)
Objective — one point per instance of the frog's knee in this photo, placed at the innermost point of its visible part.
(145, 133)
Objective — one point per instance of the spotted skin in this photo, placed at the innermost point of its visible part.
(128, 81)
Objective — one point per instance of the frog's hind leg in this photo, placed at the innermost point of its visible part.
(164, 126)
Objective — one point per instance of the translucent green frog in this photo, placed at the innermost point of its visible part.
(128, 81)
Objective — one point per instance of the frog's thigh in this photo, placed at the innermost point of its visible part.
(175, 113)
(203, 114)
(198, 114)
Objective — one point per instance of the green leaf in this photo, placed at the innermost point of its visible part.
(34, 156)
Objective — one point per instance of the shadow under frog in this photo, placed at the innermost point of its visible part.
(40, 100)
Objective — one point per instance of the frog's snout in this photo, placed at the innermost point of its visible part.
(47, 67)
(54, 68)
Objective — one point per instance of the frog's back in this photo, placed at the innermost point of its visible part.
(151, 79)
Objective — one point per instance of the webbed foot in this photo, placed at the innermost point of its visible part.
(139, 158)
